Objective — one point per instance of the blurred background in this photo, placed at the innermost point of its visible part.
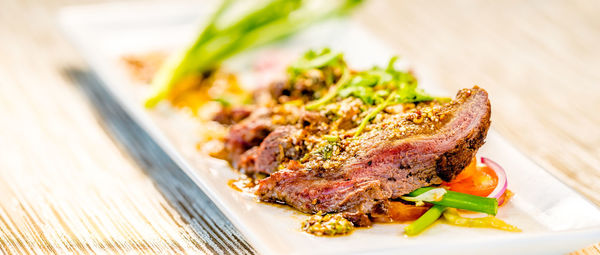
(65, 186)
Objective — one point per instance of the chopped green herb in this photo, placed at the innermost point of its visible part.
(377, 86)
(333, 91)
(331, 138)
(327, 150)
(374, 113)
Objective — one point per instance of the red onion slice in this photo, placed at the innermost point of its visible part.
(502, 181)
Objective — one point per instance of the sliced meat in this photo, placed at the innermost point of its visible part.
(247, 161)
(230, 116)
(281, 145)
(313, 122)
(248, 133)
(395, 157)
(270, 130)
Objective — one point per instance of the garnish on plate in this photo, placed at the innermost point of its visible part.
(321, 224)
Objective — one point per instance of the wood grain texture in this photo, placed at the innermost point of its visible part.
(196, 209)
(65, 187)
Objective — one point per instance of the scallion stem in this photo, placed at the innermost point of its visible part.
(332, 92)
(463, 201)
(374, 113)
(270, 22)
(425, 220)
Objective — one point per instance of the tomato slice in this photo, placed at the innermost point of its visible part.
(470, 170)
(398, 211)
(478, 180)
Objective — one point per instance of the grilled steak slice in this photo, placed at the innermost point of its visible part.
(281, 145)
(256, 143)
(247, 160)
(393, 158)
(230, 116)
(248, 133)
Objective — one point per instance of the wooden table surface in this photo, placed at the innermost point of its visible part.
(65, 187)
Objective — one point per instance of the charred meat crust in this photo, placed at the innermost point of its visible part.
(455, 160)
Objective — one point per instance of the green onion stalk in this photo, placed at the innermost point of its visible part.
(374, 113)
(461, 201)
(450, 199)
(333, 91)
(275, 20)
(426, 220)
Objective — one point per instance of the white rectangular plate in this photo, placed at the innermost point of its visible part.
(554, 218)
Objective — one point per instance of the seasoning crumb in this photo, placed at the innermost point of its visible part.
(321, 224)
